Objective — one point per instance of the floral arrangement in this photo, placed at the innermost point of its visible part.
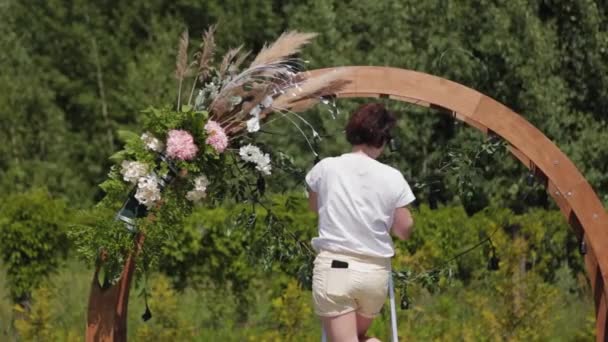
(201, 150)
(224, 103)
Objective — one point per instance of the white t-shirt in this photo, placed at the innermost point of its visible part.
(356, 198)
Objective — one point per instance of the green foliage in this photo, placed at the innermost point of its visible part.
(288, 310)
(544, 59)
(291, 305)
(33, 229)
(166, 325)
(518, 52)
(546, 299)
(96, 232)
(37, 324)
(448, 246)
(232, 244)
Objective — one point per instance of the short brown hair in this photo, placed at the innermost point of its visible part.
(370, 124)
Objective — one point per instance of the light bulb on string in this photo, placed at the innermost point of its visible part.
(530, 178)
(583, 246)
(405, 301)
(494, 261)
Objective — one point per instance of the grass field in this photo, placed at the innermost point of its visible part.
(275, 313)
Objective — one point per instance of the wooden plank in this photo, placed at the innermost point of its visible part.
(520, 156)
(561, 201)
(407, 83)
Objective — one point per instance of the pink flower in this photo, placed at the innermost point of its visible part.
(180, 145)
(217, 137)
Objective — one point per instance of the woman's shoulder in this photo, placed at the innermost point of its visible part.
(390, 174)
(390, 171)
(328, 161)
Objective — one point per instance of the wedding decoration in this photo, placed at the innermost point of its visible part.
(201, 151)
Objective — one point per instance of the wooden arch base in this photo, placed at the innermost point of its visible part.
(573, 194)
(107, 311)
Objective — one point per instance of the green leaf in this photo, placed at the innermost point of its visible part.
(119, 156)
(125, 136)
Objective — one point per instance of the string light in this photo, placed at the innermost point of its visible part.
(583, 246)
(494, 261)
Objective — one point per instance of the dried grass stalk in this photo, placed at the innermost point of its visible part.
(287, 44)
(237, 63)
(332, 88)
(228, 58)
(312, 87)
(304, 103)
(206, 52)
(181, 62)
(221, 108)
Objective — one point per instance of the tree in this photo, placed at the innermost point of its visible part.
(33, 229)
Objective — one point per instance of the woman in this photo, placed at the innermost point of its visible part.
(359, 202)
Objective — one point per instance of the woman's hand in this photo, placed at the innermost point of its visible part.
(402, 223)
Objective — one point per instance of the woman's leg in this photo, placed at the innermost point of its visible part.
(363, 324)
(341, 328)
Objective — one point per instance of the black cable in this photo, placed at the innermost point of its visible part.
(445, 263)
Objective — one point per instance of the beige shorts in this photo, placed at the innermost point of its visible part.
(361, 287)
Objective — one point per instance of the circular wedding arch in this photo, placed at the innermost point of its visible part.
(563, 181)
(566, 185)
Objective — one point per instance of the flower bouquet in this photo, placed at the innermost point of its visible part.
(200, 150)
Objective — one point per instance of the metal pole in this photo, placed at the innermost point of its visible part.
(323, 333)
(391, 294)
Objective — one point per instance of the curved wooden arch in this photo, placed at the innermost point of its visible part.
(573, 194)
(107, 312)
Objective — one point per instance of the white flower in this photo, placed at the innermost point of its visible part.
(253, 125)
(212, 89)
(201, 182)
(148, 192)
(249, 153)
(200, 188)
(263, 164)
(152, 143)
(253, 154)
(255, 112)
(267, 102)
(195, 195)
(131, 170)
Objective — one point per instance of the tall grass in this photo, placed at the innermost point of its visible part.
(212, 312)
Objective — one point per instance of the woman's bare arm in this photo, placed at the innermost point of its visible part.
(402, 223)
(312, 201)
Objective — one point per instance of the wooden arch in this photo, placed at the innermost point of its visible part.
(107, 311)
(573, 194)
